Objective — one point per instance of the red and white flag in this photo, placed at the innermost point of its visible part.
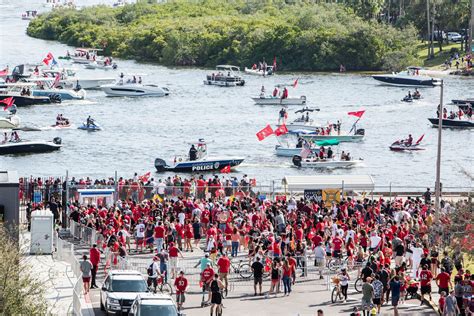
(144, 178)
(281, 130)
(57, 80)
(357, 113)
(264, 133)
(295, 83)
(226, 169)
(305, 152)
(48, 58)
(8, 103)
(4, 72)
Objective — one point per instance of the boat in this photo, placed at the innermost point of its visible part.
(91, 127)
(402, 145)
(65, 94)
(22, 95)
(357, 136)
(132, 88)
(407, 78)
(464, 101)
(69, 80)
(304, 122)
(268, 71)
(226, 76)
(29, 146)
(29, 15)
(270, 100)
(10, 121)
(25, 71)
(85, 55)
(283, 151)
(452, 123)
(316, 162)
(200, 164)
(407, 99)
(100, 65)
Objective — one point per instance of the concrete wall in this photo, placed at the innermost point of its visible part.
(9, 189)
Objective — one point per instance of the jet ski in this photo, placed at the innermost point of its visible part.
(91, 127)
(401, 145)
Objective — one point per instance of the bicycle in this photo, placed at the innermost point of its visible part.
(336, 294)
(358, 285)
(161, 285)
(243, 269)
(336, 263)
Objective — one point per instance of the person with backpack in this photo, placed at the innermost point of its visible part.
(153, 272)
(447, 263)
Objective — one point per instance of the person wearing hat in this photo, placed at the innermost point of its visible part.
(181, 285)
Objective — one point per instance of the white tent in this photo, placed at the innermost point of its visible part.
(321, 182)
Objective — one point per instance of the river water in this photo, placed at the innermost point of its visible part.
(136, 131)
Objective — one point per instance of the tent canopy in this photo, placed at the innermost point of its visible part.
(321, 182)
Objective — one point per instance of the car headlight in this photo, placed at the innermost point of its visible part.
(113, 301)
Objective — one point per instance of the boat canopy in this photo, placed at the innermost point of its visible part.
(227, 67)
(322, 182)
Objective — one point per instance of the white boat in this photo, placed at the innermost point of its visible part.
(407, 78)
(10, 121)
(304, 122)
(69, 80)
(225, 76)
(29, 146)
(259, 72)
(315, 162)
(283, 151)
(29, 15)
(341, 137)
(65, 94)
(271, 100)
(100, 65)
(129, 88)
(88, 84)
(85, 55)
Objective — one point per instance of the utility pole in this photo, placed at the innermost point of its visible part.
(471, 30)
(430, 36)
(438, 158)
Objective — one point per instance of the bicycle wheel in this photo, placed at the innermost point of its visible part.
(328, 262)
(166, 288)
(333, 265)
(245, 271)
(335, 295)
(358, 285)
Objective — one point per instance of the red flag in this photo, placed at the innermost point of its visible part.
(8, 103)
(264, 133)
(145, 177)
(281, 130)
(48, 58)
(419, 140)
(4, 72)
(295, 83)
(226, 169)
(357, 113)
(274, 63)
(57, 80)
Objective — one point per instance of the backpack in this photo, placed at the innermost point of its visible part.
(149, 271)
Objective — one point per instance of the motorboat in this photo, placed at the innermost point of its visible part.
(283, 151)
(85, 55)
(29, 15)
(357, 136)
(65, 94)
(303, 122)
(69, 80)
(29, 146)
(453, 123)
(132, 88)
(464, 101)
(10, 121)
(225, 76)
(268, 71)
(22, 94)
(271, 100)
(199, 162)
(100, 65)
(25, 71)
(94, 127)
(316, 162)
(290, 145)
(407, 78)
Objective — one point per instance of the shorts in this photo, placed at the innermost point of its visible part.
(258, 280)
(425, 289)
(139, 240)
(223, 275)
(377, 301)
(319, 262)
(216, 298)
(443, 289)
(180, 298)
(336, 253)
(150, 241)
(86, 279)
(395, 300)
(173, 262)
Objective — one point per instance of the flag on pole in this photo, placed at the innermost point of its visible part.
(295, 83)
(357, 113)
(8, 103)
(281, 130)
(226, 169)
(48, 58)
(274, 64)
(144, 178)
(265, 132)
(4, 72)
(420, 139)
(305, 152)
(57, 80)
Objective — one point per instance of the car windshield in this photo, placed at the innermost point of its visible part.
(153, 310)
(128, 286)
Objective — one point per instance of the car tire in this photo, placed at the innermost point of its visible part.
(102, 307)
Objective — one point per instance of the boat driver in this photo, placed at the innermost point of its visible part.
(90, 121)
(409, 140)
(192, 153)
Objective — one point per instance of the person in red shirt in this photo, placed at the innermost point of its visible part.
(425, 282)
(94, 255)
(206, 277)
(223, 268)
(173, 253)
(443, 280)
(181, 284)
(159, 236)
(337, 244)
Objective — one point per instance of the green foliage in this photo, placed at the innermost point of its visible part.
(303, 35)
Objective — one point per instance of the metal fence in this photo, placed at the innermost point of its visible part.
(84, 234)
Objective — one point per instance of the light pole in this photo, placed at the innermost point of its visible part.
(438, 158)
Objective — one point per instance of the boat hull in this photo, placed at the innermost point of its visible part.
(91, 128)
(340, 138)
(28, 147)
(9, 123)
(405, 148)
(134, 91)
(207, 165)
(64, 94)
(278, 101)
(407, 81)
(27, 100)
(464, 101)
(290, 152)
(222, 83)
(323, 164)
(461, 124)
(255, 72)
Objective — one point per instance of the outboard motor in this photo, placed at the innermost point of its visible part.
(297, 160)
(57, 140)
(55, 98)
(160, 165)
(360, 131)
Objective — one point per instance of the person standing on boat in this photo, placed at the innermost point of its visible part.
(330, 153)
(262, 92)
(409, 140)
(285, 94)
(192, 153)
(282, 117)
(275, 92)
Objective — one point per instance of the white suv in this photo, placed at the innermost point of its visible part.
(150, 304)
(454, 37)
(119, 290)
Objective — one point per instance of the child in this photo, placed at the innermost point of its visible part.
(441, 302)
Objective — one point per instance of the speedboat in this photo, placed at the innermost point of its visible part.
(259, 72)
(22, 95)
(100, 65)
(316, 162)
(200, 164)
(407, 78)
(66, 94)
(10, 121)
(283, 151)
(29, 15)
(85, 55)
(464, 101)
(304, 122)
(91, 127)
(29, 146)
(225, 76)
(453, 123)
(271, 100)
(341, 137)
(69, 80)
(130, 88)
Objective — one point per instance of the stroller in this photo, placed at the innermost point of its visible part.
(412, 289)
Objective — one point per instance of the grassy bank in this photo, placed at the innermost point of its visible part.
(302, 36)
(439, 56)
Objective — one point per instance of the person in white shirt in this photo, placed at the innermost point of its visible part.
(153, 273)
(417, 253)
(140, 234)
(181, 217)
(320, 258)
(375, 242)
(161, 188)
(350, 234)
